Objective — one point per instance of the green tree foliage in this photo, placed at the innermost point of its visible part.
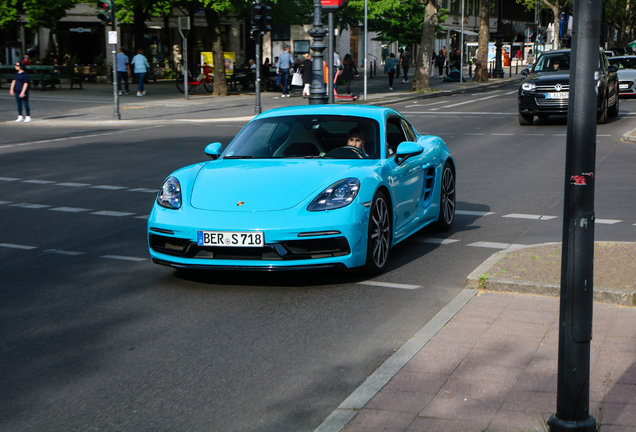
(45, 13)
(556, 6)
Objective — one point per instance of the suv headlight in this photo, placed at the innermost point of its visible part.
(170, 194)
(338, 195)
(528, 86)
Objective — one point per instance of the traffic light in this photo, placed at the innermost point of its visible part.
(106, 11)
(261, 21)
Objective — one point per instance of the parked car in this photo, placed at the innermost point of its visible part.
(291, 191)
(626, 74)
(546, 89)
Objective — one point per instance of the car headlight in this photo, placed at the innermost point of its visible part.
(170, 194)
(528, 86)
(338, 195)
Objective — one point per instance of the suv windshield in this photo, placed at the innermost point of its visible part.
(553, 62)
(307, 137)
(624, 62)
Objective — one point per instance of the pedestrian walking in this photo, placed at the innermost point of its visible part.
(399, 59)
(405, 62)
(530, 59)
(20, 89)
(285, 62)
(141, 67)
(389, 68)
(440, 60)
(433, 57)
(349, 71)
(306, 71)
(123, 70)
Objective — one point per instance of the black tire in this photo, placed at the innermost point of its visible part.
(447, 199)
(379, 235)
(525, 119)
(179, 82)
(602, 118)
(208, 84)
(613, 111)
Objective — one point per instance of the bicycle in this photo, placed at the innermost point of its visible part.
(204, 78)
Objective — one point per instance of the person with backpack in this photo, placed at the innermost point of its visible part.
(389, 68)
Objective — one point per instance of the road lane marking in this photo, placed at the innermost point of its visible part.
(71, 184)
(390, 285)
(493, 245)
(39, 181)
(65, 252)
(5, 202)
(142, 217)
(434, 240)
(529, 216)
(532, 134)
(512, 92)
(111, 213)
(471, 101)
(502, 134)
(107, 187)
(473, 213)
(607, 221)
(472, 134)
(124, 258)
(30, 206)
(16, 246)
(465, 113)
(69, 209)
(144, 190)
(9, 179)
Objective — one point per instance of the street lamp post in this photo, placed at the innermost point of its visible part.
(318, 94)
(498, 72)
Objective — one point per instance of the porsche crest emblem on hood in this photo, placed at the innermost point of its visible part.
(240, 203)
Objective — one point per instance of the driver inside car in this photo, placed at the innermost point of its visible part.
(355, 138)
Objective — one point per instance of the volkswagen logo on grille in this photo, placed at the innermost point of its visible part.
(558, 87)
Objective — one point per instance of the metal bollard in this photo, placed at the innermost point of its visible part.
(470, 70)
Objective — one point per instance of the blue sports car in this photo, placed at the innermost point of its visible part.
(305, 187)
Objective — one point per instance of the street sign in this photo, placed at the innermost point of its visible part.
(112, 37)
(333, 5)
(184, 26)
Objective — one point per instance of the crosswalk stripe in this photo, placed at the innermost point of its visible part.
(493, 245)
(607, 221)
(69, 209)
(472, 213)
(529, 216)
(124, 258)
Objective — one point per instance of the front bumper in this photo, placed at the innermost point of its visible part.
(536, 103)
(294, 238)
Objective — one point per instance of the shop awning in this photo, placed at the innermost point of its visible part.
(466, 32)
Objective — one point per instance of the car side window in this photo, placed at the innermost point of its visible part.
(409, 130)
(394, 135)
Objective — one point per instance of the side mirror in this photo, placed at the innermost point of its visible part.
(525, 72)
(406, 150)
(214, 150)
(612, 69)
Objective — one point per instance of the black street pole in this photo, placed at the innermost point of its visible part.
(498, 72)
(257, 80)
(116, 113)
(330, 83)
(577, 264)
(318, 93)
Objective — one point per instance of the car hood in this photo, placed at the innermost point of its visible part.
(261, 185)
(547, 78)
(627, 74)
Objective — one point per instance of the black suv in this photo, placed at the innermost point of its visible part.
(545, 91)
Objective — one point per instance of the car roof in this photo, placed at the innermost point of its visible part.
(370, 111)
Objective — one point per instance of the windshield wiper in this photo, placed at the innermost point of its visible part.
(239, 157)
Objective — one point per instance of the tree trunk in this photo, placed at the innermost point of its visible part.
(481, 63)
(422, 74)
(214, 33)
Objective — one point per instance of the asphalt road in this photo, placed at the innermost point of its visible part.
(96, 337)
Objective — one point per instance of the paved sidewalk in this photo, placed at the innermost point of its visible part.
(493, 366)
(163, 104)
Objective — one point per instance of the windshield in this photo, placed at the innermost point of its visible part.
(307, 137)
(553, 62)
(623, 63)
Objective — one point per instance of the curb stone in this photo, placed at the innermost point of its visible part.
(479, 279)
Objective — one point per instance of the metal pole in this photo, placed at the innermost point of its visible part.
(257, 82)
(186, 78)
(461, 48)
(318, 94)
(498, 72)
(577, 264)
(116, 113)
(330, 60)
(365, 49)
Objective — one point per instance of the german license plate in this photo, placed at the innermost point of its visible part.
(561, 95)
(623, 86)
(231, 238)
